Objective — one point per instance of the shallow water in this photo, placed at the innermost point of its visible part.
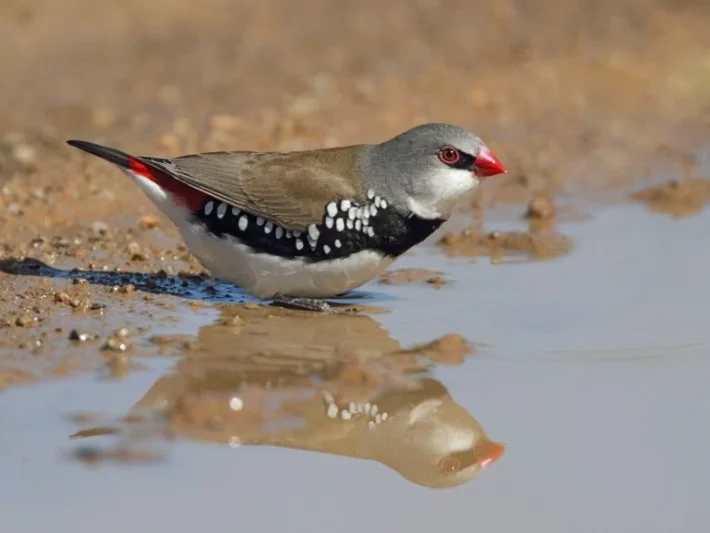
(591, 368)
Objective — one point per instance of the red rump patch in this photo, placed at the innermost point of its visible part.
(182, 194)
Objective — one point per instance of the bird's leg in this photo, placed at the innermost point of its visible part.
(305, 304)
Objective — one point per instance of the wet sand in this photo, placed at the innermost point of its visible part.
(540, 359)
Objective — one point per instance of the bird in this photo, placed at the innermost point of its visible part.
(300, 227)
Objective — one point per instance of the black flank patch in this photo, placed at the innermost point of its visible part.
(347, 227)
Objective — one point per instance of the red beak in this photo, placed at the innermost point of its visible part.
(489, 451)
(487, 164)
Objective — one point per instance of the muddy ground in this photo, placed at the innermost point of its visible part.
(584, 101)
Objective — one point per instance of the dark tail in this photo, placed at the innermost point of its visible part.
(109, 154)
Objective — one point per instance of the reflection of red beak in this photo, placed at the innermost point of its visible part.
(487, 164)
(489, 451)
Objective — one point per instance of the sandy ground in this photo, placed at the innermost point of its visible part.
(584, 101)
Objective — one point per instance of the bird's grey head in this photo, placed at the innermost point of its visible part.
(428, 169)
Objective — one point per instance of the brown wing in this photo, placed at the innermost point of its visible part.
(292, 189)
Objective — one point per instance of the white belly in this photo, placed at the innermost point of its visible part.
(265, 275)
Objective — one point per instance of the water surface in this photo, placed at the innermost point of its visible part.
(591, 368)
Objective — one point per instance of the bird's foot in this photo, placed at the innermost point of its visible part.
(303, 304)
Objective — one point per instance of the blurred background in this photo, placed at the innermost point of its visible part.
(578, 94)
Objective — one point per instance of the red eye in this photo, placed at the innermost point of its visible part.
(449, 155)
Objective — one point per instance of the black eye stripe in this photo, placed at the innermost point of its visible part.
(465, 162)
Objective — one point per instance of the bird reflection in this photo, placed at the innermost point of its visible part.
(336, 384)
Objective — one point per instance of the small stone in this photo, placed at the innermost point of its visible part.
(332, 411)
(24, 154)
(134, 250)
(24, 321)
(127, 289)
(115, 344)
(148, 222)
(235, 320)
(61, 242)
(133, 247)
(236, 404)
(541, 208)
(62, 297)
(99, 228)
(79, 336)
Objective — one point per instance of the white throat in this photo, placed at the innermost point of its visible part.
(441, 192)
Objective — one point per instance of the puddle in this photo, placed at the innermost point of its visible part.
(591, 368)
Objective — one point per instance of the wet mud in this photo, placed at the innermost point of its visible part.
(677, 198)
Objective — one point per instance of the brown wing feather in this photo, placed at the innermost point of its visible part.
(292, 189)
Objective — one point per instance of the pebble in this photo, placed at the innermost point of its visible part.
(134, 250)
(236, 403)
(117, 341)
(148, 222)
(61, 242)
(115, 344)
(24, 154)
(127, 289)
(24, 321)
(62, 297)
(541, 208)
(232, 321)
(99, 227)
(79, 336)
(332, 411)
